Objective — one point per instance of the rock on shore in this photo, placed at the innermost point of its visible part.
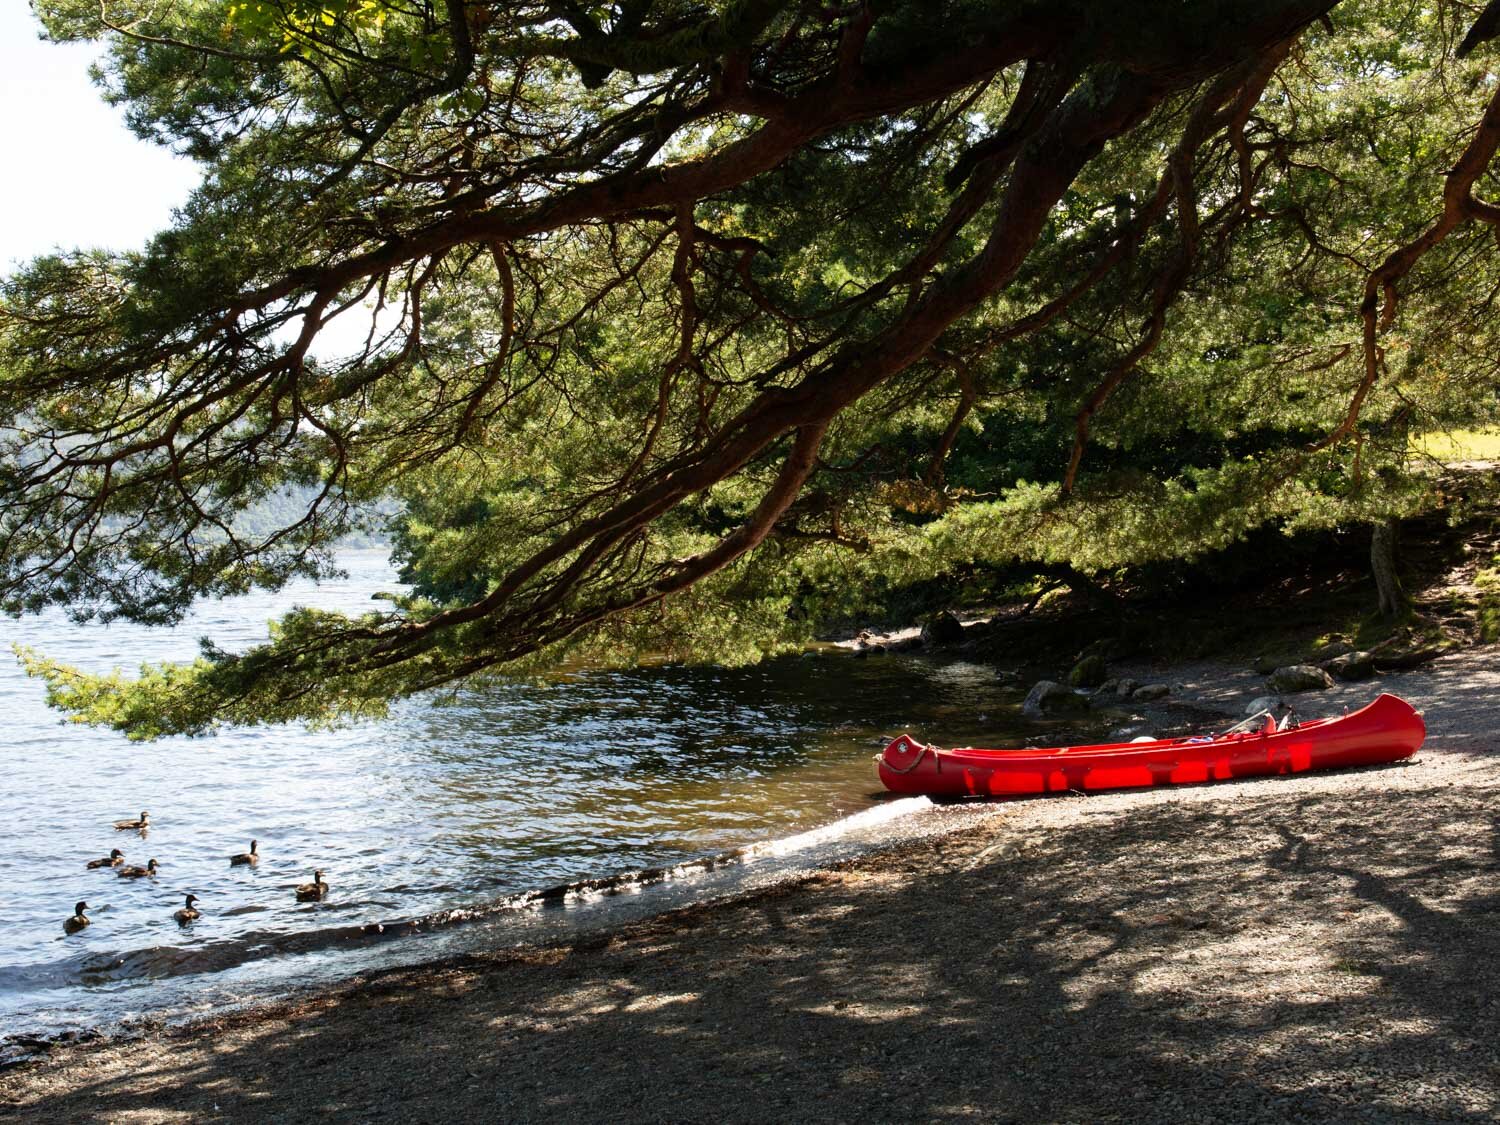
(1318, 947)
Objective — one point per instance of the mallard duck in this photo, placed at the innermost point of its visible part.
(187, 913)
(78, 921)
(311, 892)
(138, 872)
(113, 859)
(127, 825)
(252, 856)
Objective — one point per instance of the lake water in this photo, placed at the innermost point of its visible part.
(436, 827)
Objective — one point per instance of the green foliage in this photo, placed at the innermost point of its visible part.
(1488, 581)
(693, 327)
(300, 20)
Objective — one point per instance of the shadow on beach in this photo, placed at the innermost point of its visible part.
(1300, 954)
(1323, 947)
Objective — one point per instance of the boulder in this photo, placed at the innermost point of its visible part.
(1147, 692)
(1107, 647)
(943, 629)
(1399, 660)
(1089, 672)
(1264, 665)
(1047, 697)
(1298, 677)
(1351, 666)
(1126, 687)
(1324, 653)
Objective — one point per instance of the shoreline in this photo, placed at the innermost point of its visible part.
(560, 915)
(1317, 945)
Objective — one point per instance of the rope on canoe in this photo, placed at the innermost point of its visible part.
(917, 761)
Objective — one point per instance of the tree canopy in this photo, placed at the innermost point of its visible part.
(679, 326)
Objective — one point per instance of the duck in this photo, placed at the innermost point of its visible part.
(128, 825)
(188, 913)
(113, 859)
(312, 892)
(78, 921)
(138, 872)
(250, 857)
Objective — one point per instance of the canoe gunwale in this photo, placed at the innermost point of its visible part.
(1385, 730)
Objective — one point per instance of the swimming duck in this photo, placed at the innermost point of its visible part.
(114, 859)
(138, 872)
(312, 892)
(78, 921)
(187, 913)
(144, 822)
(252, 856)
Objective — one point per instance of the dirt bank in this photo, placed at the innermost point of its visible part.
(1323, 947)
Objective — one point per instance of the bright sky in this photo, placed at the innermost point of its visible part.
(74, 174)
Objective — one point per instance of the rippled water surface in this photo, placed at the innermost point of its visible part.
(438, 813)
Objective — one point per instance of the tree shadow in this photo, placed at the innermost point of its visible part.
(1324, 955)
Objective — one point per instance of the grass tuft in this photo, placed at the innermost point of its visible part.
(1488, 611)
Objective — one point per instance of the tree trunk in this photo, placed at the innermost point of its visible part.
(1384, 535)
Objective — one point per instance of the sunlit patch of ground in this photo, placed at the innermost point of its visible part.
(1459, 445)
(1322, 947)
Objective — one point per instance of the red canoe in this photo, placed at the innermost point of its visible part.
(1388, 730)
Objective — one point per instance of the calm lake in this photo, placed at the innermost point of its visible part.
(433, 826)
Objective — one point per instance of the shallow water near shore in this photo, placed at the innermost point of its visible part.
(514, 813)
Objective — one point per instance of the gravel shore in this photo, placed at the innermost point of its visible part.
(1325, 948)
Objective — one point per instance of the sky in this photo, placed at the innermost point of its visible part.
(74, 175)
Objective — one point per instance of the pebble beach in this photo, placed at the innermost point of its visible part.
(1320, 947)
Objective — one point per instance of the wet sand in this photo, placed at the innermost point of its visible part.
(1325, 947)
